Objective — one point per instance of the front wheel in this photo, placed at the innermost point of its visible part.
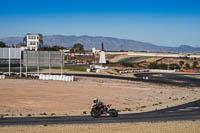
(95, 114)
(113, 113)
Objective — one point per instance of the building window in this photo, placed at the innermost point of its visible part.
(32, 43)
(32, 37)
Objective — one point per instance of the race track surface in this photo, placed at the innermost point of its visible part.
(158, 78)
(189, 111)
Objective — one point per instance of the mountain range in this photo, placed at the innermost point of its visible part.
(110, 43)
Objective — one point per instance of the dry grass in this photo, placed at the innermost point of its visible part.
(162, 127)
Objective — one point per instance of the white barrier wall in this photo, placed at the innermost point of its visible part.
(162, 71)
(2, 76)
(133, 71)
(56, 77)
(149, 70)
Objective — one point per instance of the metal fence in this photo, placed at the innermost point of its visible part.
(12, 53)
(43, 58)
(30, 59)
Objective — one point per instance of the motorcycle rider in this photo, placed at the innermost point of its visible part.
(96, 101)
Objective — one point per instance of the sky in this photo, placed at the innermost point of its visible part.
(161, 22)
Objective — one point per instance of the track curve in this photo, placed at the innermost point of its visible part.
(189, 111)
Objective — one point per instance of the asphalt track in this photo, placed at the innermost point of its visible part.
(189, 111)
(158, 78)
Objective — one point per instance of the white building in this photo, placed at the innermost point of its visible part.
(33, 41)
(95, 51)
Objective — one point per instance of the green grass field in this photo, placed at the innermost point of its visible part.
(80, 69)
(133, 59)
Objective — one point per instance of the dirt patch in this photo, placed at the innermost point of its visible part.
(162, 127)
(34, 97)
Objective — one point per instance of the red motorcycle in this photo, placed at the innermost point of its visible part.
(103, 111)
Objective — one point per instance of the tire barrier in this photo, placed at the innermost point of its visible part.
(56, 77)
(2, 76)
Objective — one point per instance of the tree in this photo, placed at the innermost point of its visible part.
(181, 63)
(187, 66)
(53, 48)
(154, 65)
(195, 64)
(174, 66)
(2, 44)
(78, 47)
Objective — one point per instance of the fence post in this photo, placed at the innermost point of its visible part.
(26, 63)
(61, 64)
(38, 64)
(20, 69)
(9, 60)
(49, 63)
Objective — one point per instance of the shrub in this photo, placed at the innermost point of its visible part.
(128, 109)
(154, 65)
(43, 113)
(29, 115)
(44, 123)
(52, 114)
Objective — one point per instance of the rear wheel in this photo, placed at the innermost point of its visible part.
(113, 113)
(95, 114)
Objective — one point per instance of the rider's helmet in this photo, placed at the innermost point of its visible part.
(95, 100)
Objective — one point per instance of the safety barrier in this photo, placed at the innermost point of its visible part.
(163, 71)
(148, 70)
(133, 71)
(2, 76)
(56, 77)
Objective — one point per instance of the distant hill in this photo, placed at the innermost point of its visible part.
(110, 43)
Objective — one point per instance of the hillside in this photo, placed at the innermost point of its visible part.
(110, 43)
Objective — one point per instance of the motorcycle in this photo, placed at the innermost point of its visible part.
(103, 111)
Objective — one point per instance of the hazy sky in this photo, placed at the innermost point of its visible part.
(161, 22)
